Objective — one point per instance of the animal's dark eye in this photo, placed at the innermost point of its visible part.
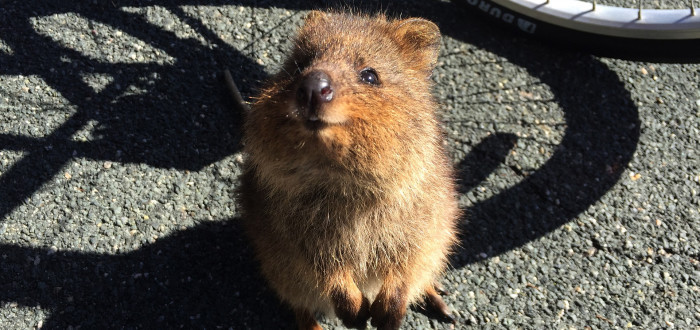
(369, 76)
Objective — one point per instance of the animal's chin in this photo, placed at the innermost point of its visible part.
(318, 125)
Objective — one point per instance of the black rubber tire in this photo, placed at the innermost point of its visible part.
(675, 51)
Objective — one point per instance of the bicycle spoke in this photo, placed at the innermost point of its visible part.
(639, 12)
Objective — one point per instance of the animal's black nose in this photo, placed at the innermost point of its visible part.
(314, 90)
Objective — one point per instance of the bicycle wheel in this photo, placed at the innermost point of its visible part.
(631, 33)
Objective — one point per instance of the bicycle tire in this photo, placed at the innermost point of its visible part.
(668, 35)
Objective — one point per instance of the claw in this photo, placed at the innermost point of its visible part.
(441, 290)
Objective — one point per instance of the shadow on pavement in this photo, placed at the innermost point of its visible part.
(149, 113)
(600, 137)
(204, 276)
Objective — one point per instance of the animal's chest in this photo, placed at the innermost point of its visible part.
(345, 237)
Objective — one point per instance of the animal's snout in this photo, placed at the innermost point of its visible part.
(315, 89)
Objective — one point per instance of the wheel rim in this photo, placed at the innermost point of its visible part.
(603, 20)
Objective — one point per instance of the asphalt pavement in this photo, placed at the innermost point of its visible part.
(120, 153)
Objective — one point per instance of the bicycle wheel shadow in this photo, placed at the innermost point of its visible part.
(167, 115)
(205, 276)
(600, 137)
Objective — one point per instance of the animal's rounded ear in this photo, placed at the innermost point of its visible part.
(420, 38)
(315, 17)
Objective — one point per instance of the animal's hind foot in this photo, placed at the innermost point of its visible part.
(433, 303)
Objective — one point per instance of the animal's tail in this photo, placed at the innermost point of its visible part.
(241, 105)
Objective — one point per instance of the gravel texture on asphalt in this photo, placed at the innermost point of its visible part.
(119, 155)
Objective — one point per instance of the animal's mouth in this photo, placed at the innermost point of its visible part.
(315, 124)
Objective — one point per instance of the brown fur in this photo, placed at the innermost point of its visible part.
(357, 217)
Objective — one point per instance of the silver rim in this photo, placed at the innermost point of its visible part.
(606, 20)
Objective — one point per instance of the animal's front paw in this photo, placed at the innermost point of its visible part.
(350, 306)
(388, 311)
(355, 318)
